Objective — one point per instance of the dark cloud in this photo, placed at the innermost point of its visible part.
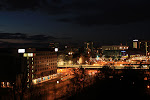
(100, 12)
(41, 37)
(48, 6)
(19, 4)
(65, 20)
(22, 40)
(13, 36)
(66, 38)
(86, 12)
(23, 36)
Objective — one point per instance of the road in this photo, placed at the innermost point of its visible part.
(51, 90)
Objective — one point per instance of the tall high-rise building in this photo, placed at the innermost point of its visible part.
(144, 46)
(135, 43)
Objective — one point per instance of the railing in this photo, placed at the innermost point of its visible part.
(123, 66)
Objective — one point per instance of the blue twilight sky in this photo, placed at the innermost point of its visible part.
(89, 20)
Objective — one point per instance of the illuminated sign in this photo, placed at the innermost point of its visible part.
(123, 51)
(135, 40)
(21, 50)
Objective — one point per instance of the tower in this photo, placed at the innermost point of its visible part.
(135, 43)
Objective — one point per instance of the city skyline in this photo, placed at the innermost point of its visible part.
(74, 49)
(93, 20)
(22, 40)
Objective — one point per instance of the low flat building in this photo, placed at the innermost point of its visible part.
(114, 51)
(114, 47)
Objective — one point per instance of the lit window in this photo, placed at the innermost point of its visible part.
(32, 67)
(27, 85)
(8, 84)
(32, 76)
(2, 84)
(28, 80)
(30, 54)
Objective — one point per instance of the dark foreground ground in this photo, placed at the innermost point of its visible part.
(129, 84)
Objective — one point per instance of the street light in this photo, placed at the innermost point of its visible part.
(56, 49)
(57, 82)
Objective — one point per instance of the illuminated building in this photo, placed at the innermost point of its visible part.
(88, 47)
(38, 65)
(41, 65)
(115, 47)
(114, 51)
(142, 45)
(81, 60)
(135, 44)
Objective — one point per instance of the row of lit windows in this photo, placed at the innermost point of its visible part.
(113, 48)
(116, 48)
(46, 68)
(39, 54)
(42, 65)
(44, 61)
(40, 58)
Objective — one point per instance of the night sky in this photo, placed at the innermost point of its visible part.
(103, 21)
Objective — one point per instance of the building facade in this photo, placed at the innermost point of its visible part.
(88, 47)
(135, 44)
(41, 65)
(142, 45)
(114, 47)
(114, 51)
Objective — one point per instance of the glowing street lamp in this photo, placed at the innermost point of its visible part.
(57, 82)
(56, 49)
